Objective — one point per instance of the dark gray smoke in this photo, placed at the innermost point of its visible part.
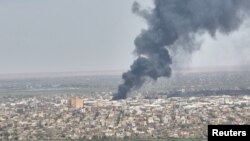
(172, 21)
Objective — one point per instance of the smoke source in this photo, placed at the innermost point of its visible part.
(172, 21)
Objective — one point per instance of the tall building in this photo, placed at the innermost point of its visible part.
(76, 102)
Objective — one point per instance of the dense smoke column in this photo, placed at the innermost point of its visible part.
(173, 20)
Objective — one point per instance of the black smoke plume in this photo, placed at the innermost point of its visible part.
(171, 21)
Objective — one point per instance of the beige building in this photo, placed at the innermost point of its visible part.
(76, 102)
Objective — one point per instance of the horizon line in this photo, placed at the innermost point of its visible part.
(53, 74)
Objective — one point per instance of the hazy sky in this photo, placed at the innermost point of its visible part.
(84, 35)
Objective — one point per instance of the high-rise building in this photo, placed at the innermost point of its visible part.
(76, 102)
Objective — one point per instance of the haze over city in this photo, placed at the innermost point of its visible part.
(127, 70)
(66, 36)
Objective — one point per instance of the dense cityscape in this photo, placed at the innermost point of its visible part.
(82, 108)
(53, 117)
